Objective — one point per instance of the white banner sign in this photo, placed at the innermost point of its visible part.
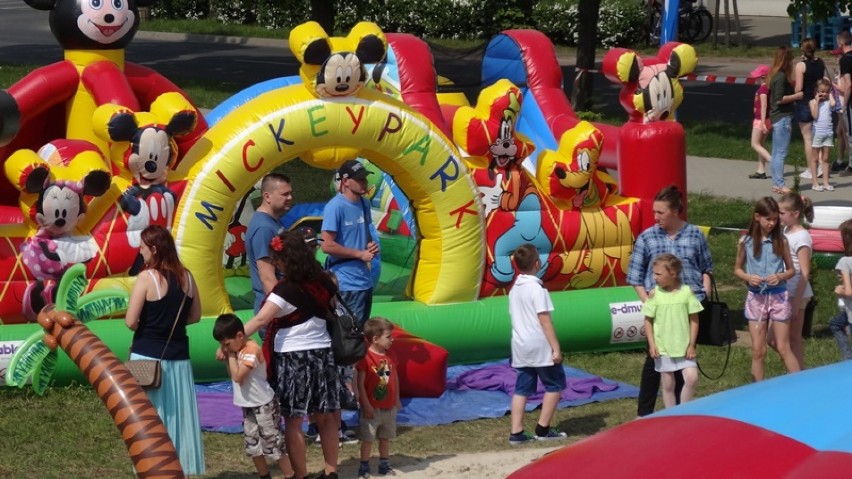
(7, 349)
(628, 323)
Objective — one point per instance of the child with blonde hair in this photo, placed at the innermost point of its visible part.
(793, 209)
(823, 131)
(671, 325)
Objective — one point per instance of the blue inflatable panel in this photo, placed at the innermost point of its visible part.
(301, 210)
(503, 59)
(807, 406)
(248, 94)
(531, 123)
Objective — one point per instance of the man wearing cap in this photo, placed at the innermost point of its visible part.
(347, 241)
(844, 84)
(276, 199)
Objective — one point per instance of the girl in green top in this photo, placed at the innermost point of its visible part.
(671, 325)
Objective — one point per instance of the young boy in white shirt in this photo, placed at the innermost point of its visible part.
(252, 392)
(536, 353)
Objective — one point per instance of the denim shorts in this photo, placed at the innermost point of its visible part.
(822, 140)
(802, 112)
(552, 377)
(768, 307)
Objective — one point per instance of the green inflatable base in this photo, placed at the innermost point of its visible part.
(585, 321)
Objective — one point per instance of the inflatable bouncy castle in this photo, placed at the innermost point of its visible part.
(461, 185)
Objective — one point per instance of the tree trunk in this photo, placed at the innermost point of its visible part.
(587, 30)
(148, 443)
(322, 12)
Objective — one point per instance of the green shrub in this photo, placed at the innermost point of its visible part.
(557, 19)
(181, 9)
(240, 12)
(620, 22)
(457, 19)
(592, 116)
(277, 14)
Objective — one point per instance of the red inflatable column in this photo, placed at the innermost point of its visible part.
(650, 157)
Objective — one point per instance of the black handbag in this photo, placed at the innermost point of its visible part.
(715, 327)
(347, 339)
(714, 323)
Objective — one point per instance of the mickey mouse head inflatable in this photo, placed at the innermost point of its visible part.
(652, 90)
(148, 150)
(334, 66)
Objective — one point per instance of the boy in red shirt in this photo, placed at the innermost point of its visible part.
(378, 387)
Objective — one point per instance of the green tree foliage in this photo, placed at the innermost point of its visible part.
(819, 9)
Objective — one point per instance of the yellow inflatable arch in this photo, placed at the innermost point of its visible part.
(289, 123)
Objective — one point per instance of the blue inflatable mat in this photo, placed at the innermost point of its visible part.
(473, 392)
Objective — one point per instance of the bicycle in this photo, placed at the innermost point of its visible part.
(694, 22)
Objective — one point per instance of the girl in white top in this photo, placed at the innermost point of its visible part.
(823, 131)
(793, 208)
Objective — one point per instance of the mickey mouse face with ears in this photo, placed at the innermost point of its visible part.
(151, 149)
(92, 24)
(651, 87)
(334, 67)
(56, 180)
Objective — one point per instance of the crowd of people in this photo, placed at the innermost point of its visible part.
(291, 373)
(816, 97)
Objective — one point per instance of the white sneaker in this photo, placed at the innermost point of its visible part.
(807, 172)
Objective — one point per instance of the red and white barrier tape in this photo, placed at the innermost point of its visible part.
(693, 77)
(718, 79)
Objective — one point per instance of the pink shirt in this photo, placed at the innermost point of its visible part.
(761, 90)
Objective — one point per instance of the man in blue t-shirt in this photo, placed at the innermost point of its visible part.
(347, 241)
(276, 199)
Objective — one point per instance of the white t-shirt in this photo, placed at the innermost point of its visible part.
(255, 390)
(797, 241)
(312, 334)
(844, 264)
(527, 298)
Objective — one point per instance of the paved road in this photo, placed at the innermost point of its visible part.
(25, 38)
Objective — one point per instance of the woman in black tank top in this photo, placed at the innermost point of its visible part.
(163, 302)
(807, 72)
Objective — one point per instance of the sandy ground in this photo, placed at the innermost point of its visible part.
(485, 465)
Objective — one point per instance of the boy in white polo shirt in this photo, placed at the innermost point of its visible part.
(535, 350)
